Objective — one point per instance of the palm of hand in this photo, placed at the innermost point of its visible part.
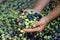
(39, 26)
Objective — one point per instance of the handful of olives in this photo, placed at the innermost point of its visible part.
(27, 19)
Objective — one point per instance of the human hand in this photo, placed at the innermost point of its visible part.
(38, 26)
(28, 10)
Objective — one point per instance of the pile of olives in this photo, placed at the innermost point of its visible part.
(13, 20)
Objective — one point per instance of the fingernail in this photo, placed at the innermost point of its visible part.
(33, 25)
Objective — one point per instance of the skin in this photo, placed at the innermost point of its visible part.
(38, 6)
(44, 20)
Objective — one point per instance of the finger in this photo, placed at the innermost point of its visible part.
(38, 29)
(32, 30)
(26, 10)
(29, 30)
(36, 24)
(42, 27)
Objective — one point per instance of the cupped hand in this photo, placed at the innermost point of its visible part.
(38, 26)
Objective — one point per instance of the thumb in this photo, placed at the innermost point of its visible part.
(27, 10)
(36, 24)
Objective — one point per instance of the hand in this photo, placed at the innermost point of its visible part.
(28, 10)
(39, 26)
